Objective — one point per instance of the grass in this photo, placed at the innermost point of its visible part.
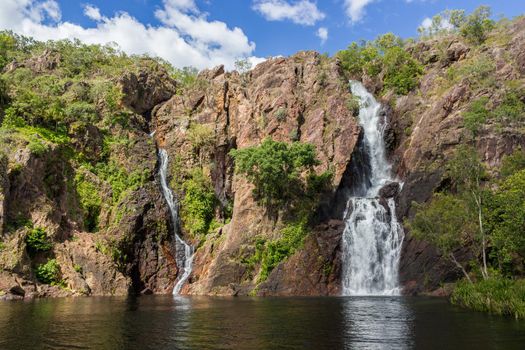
(498, 296)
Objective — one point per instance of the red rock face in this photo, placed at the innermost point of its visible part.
(301, 98)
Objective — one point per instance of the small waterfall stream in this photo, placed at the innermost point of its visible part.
(184, 252)
(372, 237)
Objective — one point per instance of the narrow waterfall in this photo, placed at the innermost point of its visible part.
(372, 237)
(184, 252)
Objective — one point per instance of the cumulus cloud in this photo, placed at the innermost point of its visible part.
(185, 37)
(322, 33)
(303, 12)
(355, 9)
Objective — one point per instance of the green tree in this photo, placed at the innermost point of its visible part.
(275, 168)
(199, 203)
(468, 174)
(445, 223)
(477, 25)
(513, 163)
(401, 70)
(507, 220)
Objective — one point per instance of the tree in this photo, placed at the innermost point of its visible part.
(277, 169)
(476, 26)
(507, 220)
(443, 222)
(467, 174)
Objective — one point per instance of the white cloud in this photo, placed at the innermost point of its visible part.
(185, 38)
(355, 9)
(436, 25)
(322, 33)
(303, 12)
(92, 12)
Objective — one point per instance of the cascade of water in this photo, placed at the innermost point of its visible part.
(372, 237)
(184, 252)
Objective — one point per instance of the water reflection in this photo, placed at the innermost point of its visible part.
(377, 323)
(252, 323)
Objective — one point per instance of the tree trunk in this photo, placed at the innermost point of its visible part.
(453, 258)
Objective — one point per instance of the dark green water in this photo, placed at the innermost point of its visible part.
(252, 323)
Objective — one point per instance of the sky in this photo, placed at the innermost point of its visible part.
(206, 33)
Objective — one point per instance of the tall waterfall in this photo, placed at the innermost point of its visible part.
(184, 252)
(372, 237)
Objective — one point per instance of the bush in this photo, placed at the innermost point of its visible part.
(476, 115)
(49, 273)
(200, 136)
(513, 163)
(199, 203)
(497, 295)
(120, 180)
(507, 222)
(385, 54)
(271, 253)
(90, 201)
(511, 109)
(275, 168)
(401, 71)
(37, 240)
(477, 25)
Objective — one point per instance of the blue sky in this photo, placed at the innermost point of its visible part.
(204, 33)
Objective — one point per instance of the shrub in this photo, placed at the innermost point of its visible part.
(199, 203)
(476, 115)
(385, 54)
(496, 295)
(479, 72)
(120, 180)
(49, 273)
(511, 109)
(293, 236)
(476, 26)
(37, 240)
(90, 201)
(507, 222)
(513, 163)
(353, 105)
(401, 70)
(200, 136)
(271, 253)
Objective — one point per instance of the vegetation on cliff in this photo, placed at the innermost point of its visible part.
(284, 179)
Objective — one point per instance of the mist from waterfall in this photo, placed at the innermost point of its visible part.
(372, 237)
(184, 252)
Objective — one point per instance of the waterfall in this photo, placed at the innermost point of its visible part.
(184, 252)
(372, 237)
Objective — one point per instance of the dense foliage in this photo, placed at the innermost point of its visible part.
(199, 203)
(385, 55)
(281, 172)
(484, 216)
(283, 176)
(37, 240)
(49, 273)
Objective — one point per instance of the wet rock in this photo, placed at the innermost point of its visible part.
(17, 290)
(390, 190)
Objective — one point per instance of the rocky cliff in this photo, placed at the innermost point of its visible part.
(121, 240)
